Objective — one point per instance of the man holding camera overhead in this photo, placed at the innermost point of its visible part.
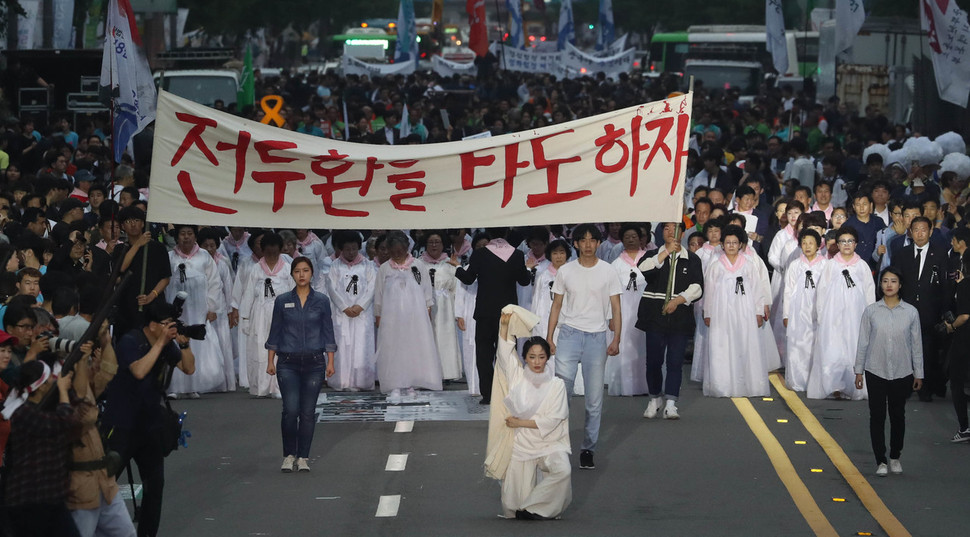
(133, 412)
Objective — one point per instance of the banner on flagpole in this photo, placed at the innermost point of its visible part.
(214, 168)
(949, 34)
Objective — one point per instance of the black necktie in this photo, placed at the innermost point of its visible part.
(919, 254)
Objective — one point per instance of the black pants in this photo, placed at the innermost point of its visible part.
(959, 357)
(145, 448)
(486, 343)
(892, 394)
(935, 381)
(42, 520)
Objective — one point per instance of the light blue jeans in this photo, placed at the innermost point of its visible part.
(575, 347)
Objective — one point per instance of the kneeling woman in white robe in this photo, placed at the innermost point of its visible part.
(537, 483)
(734, 312)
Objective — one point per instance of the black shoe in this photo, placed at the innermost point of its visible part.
(926, 397)
(522, 514)
(484, 402)
(586, 460)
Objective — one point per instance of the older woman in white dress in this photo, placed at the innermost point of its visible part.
(626, 373)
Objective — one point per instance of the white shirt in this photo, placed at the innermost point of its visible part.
(586, 295)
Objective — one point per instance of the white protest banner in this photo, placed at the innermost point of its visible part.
(617, 46)
(214, 168)
(949, 37)
(529, 61)
(353, 66)
(578, 63)
(449, 68)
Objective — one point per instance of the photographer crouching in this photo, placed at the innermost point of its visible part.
(134, 415)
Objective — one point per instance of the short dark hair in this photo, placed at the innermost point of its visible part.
(630, 226)
(794, 204)
(64, 299)
(734, 231)
(583, 229)
(803, 188)
(848, 230)
(705, 200)
(744, 190)
(823, 183)
(159, 310)
(810, 233)
(892, 269)
(271, 239)
(557, 244)
(921, 219)
(341, 237)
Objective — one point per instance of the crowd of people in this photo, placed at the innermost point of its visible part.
(798, 217)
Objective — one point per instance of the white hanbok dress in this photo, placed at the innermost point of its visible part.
(524, 292)
(238, 333)
(355, 362)
(801, 288)
(259, 292)
(443, 282)
(845, 288)
(407, 356)
(196, 274)
(626, 373)
(221, 323)
(768, 344)
(465, 299)
(735, 365)
(707, 254)
(784, 243)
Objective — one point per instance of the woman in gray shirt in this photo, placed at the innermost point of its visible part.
(890, 357)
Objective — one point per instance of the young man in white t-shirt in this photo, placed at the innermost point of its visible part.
(586, 302)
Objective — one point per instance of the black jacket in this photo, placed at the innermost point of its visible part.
(929, 293)
(496, 281)
(650, 317)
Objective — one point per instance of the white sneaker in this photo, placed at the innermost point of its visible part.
(882, 470)
(670, 411)
(288, 462)
(895, 466)
(652, 408)
(302, 465)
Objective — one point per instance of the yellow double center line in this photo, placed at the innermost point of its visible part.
(789, 477)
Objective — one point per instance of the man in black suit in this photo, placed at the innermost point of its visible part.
(925, 286)
(497, 267)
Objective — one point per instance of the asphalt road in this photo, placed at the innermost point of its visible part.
(705, 474)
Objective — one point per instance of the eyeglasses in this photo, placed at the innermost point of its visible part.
(846, 241)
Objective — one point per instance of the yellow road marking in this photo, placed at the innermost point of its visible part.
(785, 470)
(859, 484)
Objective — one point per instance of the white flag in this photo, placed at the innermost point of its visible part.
(849, 16)
(607, 29)
(949, 35)
(567, 31)
(775, 39)
(405, 124)
(126, 80)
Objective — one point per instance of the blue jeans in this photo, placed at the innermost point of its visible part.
(575, 347)
(661, 345)
(300, 377)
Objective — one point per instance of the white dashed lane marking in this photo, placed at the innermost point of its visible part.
(388, 506)
(404, 427)
(396, 463)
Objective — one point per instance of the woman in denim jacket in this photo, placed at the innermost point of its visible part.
(301, 334)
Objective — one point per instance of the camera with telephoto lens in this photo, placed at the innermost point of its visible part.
(948, 318)
(192, 331)
(59, 344)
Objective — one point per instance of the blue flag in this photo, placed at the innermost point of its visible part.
(516, 31)
(607, 31)
(407, 36)
(567, 31)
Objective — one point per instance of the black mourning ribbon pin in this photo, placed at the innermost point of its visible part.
(182, 272)
(235, 261)
(632, 284)
(268, 288)
(464, 259)
(353, 283)
(431, 274)
(809, 280)
(848, 279)
(739, 285)
(532, 276)
(417, 274)
(551, 294)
